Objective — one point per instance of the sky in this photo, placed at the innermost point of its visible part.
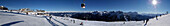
(141, 6)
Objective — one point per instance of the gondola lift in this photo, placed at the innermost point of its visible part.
(83, 4)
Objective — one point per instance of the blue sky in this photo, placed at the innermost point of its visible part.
(141, 6)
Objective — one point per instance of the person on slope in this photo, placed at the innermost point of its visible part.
(50, 16)
(160, 15)
(156, 17)
(72, 20)
(26, 13)
(146, 21)
(81, 23)
(125, 19)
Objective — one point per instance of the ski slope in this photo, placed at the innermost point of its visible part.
(12, 19)
(97, 23)
(162, 21)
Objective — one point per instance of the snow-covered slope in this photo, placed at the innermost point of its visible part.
(162, 21)
(10, 19)
(97, 23)
(13, 19)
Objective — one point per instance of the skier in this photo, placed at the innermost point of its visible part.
(26, 13)
(125, 19)
(50, 16)
(146, 21)
(74, 21)
(160, 15)
(156, 17)
(81, 23)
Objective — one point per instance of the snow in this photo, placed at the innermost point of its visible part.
(22, 20)
(98, 23)
(13, 19)
(162, 21)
